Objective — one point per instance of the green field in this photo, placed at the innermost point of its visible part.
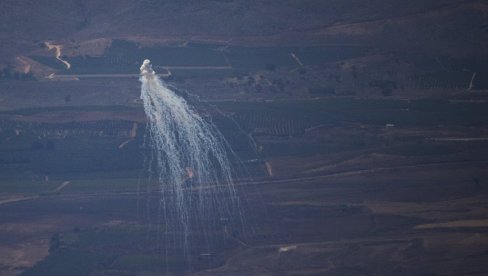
(96, 163)
(336, 111)
(124, 57)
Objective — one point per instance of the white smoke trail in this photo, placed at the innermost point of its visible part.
(191, 157)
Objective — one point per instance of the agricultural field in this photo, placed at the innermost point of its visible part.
(358, 129)
(124, 57)
(347, 151)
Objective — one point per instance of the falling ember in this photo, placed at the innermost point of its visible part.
(190, 159)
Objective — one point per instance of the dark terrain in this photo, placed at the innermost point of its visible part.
(362, 127)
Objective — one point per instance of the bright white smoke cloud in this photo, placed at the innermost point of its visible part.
(191, 158)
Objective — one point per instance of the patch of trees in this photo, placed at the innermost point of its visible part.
(38, 145)
(8, 73)
(54, 243)
(320, 91)
(270, 67)
(14, 160)
(386, 86)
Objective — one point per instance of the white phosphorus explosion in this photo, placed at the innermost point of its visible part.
(191, 161)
